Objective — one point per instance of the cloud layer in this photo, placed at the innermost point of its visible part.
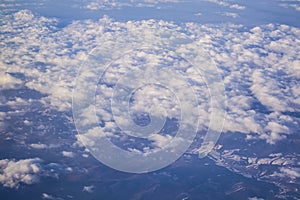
(260, 66)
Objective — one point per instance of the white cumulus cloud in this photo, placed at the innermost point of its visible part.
(13, 173)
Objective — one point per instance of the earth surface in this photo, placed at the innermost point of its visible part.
(254, 47)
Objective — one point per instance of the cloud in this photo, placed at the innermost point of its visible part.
(230, 14)
(293, 173)
(290, 4)
(267, 91)
(88, 188)
(50, 197)
(23, 15)
(236, 6)
(160, 140)
(277, 130)
(104, 5)
(38, 146)
(13, 173)
(8, 82)
(44, 146)
(255, 198)
(114, 4)
(68, 154)
(226, 4)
